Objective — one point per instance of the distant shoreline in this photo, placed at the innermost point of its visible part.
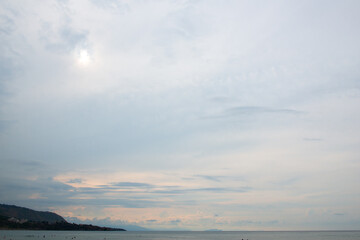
(7, 223)
(19, 218)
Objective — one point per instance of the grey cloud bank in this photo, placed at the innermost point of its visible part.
(243, 110)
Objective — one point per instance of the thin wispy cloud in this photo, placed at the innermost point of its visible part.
(211, 178)
(251, 111)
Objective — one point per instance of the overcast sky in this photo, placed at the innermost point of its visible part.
(234, 115)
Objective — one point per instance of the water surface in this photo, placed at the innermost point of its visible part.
(80, 235)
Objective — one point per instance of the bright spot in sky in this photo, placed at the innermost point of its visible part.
(83, 57)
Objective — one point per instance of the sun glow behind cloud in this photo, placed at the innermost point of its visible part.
(83, 57)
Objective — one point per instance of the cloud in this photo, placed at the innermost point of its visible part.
(111, 5)
(54, 193)
(182, 190)
(288, 181)
(211, 178)
(7, 24)
(75, 180)
(132, 185)
(176, 221)
(192, 108)
(22, 191)
(258, 110)
(63, 40)
(252, 111)
(148, 189)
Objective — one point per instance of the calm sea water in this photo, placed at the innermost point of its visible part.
(75, 235)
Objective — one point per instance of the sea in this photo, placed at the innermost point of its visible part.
(184, 235)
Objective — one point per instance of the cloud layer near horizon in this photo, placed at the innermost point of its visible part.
(183, 114)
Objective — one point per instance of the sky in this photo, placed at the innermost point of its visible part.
(187, 115)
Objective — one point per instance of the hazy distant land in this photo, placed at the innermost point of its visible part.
(14, 217)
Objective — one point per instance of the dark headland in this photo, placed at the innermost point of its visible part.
(20, 218)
